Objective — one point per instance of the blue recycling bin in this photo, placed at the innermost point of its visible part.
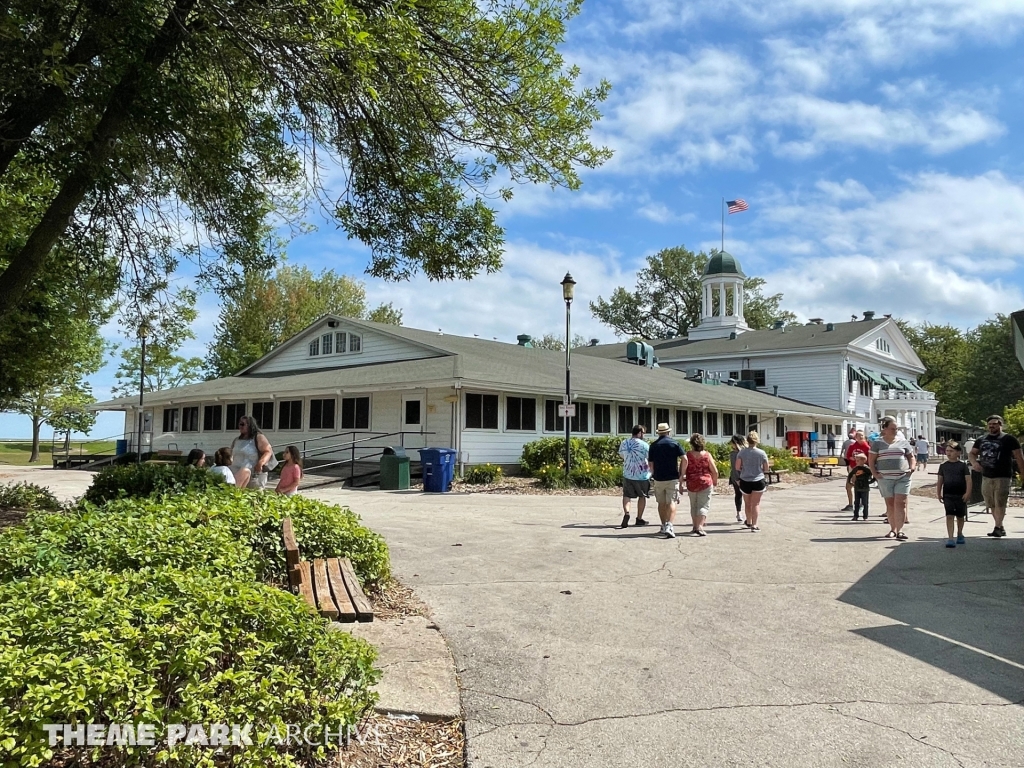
(120, 447)
(438, 469)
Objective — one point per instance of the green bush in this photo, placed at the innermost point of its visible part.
(723, 469)
(140, 480)
(28, 497)
(604, 449)
(550, 450)
(482, 474)
(584, 474)
(783, 459)
(168, 646)
(222, 529)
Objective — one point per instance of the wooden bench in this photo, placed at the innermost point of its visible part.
(329, 586)
(772, 471)
(823, 463)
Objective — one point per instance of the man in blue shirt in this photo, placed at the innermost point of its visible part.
(636, 475)
(663, 458)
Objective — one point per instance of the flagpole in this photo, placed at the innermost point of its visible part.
(723, 224)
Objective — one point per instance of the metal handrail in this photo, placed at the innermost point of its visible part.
(350, 445)
(66, 450)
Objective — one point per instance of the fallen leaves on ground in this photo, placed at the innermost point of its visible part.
(388, 743)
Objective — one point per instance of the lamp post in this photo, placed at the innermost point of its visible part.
(568, 285)
(143, 331)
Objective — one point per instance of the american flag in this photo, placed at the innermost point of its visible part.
(736, 206)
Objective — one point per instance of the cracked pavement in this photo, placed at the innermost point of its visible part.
(811, 643)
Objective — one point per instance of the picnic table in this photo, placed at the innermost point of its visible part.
(825, 463)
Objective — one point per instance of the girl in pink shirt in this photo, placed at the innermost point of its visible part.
(291, 472)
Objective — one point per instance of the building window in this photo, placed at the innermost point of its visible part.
(481, 411)
(882, 345)
(727, 424)
(643, 418)
(741, 424)
(289, 414)
(581, 421)
(682, 422)
(355, 342)
(326, 343)
(661, 416)
(752, 424)
(314, 347)
(755, 375)
(552, 421)
(780, 426)
(321, 413)
(712, 423)
(235, 412)
(734, 375)
(521, 414)
(412, 413)
(816, 426)
(212, 418)
(190, 419)
(355, 413)
(340, 342)
(697, 422)
(170, 419)
(866, 388)
(263, 413)
(602, 418)
(626, 422)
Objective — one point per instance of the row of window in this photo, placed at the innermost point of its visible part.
(483, 412)
(355, 414)
(756, 375)
(339, 343)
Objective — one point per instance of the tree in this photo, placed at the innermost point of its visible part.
(667, 299)
(185, 126)
(554, 341)
(992, 377)
(1013, 418)
(943, 349)
(166, 328)
(59, 393)
(268, 308)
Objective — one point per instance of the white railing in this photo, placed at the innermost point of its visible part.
(896, 394)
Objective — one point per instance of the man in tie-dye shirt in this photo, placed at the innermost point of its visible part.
(636, 475)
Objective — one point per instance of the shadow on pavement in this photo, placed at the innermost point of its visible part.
(961, 610)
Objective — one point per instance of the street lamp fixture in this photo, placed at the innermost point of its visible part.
(568, 288)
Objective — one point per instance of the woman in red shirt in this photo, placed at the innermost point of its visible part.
(701, 476)
(291, 472)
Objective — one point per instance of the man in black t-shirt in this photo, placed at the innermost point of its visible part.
(666, 478)
(993, 455)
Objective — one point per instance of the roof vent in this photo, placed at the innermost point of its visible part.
(830, 326)
(594, 342)
(732, 335)
(524, 340)
(779, 325)
(816, 321)
(869, 316)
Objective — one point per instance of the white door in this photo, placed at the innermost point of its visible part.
(414, 419)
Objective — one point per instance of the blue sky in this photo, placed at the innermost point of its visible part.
(877, 143)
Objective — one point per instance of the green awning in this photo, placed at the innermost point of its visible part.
(890, 381)
(872, 376)
(908, 384)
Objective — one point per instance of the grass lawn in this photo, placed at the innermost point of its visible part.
(18, 452)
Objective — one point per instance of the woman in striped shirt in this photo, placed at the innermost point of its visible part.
(891, 460)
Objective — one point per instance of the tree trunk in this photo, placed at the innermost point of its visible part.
(27, 262)
(36, 424)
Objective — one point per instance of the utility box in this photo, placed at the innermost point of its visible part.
(394, 473)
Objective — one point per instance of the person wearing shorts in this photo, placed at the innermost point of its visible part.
(953, 488)
(636, 475)
(667, 478)
(752, 463)
(993, 455)
(922, 453)
(891, 460)
(698, 466)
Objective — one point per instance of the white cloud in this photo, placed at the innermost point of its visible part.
(538, 200)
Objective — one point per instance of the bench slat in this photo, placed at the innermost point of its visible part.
(362, 605)
(305, 584)
(323, 590)
(346, 611)
(291, 551)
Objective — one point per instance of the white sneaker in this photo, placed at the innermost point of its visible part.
(661, 532)
(739, 518)
(670, 532)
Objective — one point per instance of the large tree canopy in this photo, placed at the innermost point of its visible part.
(667, 299)
(266, 309)
(187, 126)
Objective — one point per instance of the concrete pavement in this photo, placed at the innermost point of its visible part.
(811, 643)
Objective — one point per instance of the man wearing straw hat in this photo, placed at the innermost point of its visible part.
(666, 477)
